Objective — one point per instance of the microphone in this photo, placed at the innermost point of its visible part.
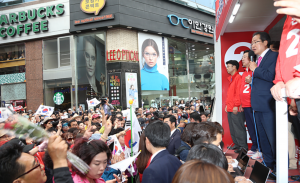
(252, 56)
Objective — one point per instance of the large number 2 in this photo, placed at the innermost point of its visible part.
(246, 89)
(293, 49)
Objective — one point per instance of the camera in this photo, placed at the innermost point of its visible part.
(103, 100)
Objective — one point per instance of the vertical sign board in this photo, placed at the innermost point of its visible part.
(222, 8)
(132, 89)
(233, 46)
(114, 88)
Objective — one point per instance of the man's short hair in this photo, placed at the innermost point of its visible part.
(71, 121)
(263, 37)
(10, 169)
(195, 116)
(171, 117)
(203, 114)
(234, 63)
(204, 132)
(208, 153)
(158, 134)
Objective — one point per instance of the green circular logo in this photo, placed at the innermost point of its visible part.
(58, 98)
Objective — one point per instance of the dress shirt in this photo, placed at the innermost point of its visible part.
(264, 53)
(172, 132)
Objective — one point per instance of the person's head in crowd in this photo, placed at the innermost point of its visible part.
(119, 114)
(181, 101)
(195, 117)
(121, 137)
(196, 171)
(175, 115)
(171, 121)
(37, 118)
(97, 157)
(170, 110)
(140, 110)
(246, 59)
(73, 124)
(138, 115)
(180, 109)
(70, 111)
(65, 127)
(53, 116)
(80, 125)
(53, 131)
(151, 109)
(274, 46)
(96, 126)
(60, 113)
(160, 109)
(19, 167)
(260, 42)
(47, 123)
(96, 118)
(208, 153)
(187, 133)
(232, 67)
(161, 116)
(148, 115)
(157, 136)
(192, 108)
(69, 137)
(144, 156)
(182, 123)
(4, 136)
(74, 131)
(206, 132)
(203, 117)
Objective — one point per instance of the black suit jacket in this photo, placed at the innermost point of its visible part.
(263, 76)
(161, 169)
(175, 142)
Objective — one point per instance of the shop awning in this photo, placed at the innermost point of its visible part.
(254, 15)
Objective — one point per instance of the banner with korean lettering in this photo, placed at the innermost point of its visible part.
(114, 88)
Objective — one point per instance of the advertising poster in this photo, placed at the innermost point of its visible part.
(132, 89)
(90, 67)
(114, 89)
(154, 60)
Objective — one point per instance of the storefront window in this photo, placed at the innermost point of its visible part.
(57, 53)
(198, 84)
(13, 2)
(61, 86)
(91, 69)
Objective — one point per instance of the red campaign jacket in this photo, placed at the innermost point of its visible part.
(245, 91)
(233, 93)
(288, 56)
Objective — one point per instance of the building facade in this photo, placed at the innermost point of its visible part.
(155, 52)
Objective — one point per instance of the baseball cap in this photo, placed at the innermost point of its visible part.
(96, 116)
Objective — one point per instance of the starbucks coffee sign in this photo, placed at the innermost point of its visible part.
(31, 15)
(34, 21)
(58, 98)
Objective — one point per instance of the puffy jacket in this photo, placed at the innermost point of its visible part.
(233, 93)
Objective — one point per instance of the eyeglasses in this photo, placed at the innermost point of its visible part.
(149, 54)
(38, 165)
(181, 20)
(255, 42)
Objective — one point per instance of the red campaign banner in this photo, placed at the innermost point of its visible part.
(222, 8)
(232, 47)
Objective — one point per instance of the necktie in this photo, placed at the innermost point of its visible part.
(259, 60)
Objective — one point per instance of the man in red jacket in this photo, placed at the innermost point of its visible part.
(245, 95)
(233, 102)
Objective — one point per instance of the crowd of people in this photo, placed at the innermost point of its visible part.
(178, 144)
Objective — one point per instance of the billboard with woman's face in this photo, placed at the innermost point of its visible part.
(154, 60)
(90, 66)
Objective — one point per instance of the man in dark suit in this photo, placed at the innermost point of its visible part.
(163, 166)
(175, 140)
(261, 98)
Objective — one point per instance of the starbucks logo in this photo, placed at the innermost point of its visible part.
(58, 98)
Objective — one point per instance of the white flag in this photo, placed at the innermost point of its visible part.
(117, 146)
(45, 110)
(4, 113)
(92, 103)
(123, 165)
(136, 131)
